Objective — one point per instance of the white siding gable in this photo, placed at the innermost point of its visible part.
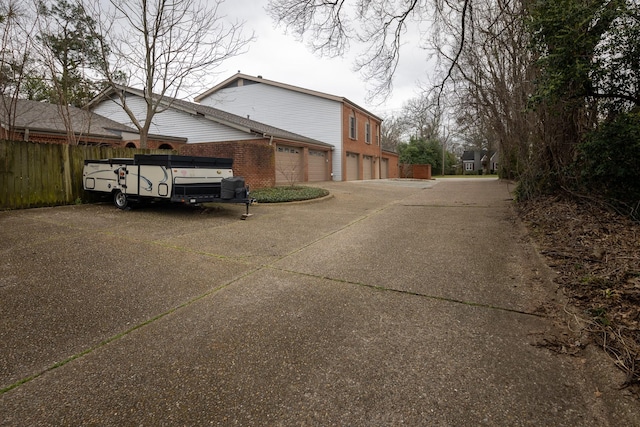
(172, 122)
(301, 113)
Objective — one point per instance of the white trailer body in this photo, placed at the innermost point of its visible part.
(184, 179)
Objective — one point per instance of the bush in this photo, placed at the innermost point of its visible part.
(609, 160)
(287, 194)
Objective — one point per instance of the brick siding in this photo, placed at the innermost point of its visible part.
(254, 160)
(392, 158)
(415, 171)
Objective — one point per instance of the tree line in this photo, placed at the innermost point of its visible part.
(67, 51)
(554, 85)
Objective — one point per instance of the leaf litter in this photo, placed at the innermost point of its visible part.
(595, 253)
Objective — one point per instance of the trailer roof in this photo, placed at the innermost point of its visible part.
(172, 160)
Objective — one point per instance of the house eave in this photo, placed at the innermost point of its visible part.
(283, 86)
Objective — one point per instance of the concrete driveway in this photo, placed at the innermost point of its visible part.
(389, 303)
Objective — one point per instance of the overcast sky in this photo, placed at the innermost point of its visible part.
(279, 57)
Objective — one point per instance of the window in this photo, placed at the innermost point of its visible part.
(367, 133)
(288, 150)
(352, 126)
(468, 166)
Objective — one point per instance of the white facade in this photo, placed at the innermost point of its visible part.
(302, 113)
(171, 122)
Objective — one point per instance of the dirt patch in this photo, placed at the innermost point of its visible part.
(595, 253)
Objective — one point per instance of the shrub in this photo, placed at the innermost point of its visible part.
(287, 194)
(609, 160)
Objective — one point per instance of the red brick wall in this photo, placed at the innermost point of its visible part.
(394, 171)
(422, 171)
(254, 160)
(359, 145)
(415, 171)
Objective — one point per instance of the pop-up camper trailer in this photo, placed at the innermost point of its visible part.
(166, 177)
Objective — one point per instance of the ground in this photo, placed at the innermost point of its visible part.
(595, 253)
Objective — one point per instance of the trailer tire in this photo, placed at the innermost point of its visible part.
(120, 199)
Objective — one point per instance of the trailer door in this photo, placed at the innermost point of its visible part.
(122, 178)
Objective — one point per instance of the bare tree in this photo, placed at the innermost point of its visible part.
(491, 81)
(380, 26)
(485, 71)
(393, 131)
(16, 30)
(165, 48)
(423, 117)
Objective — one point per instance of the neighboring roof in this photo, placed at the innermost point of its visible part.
(470, 155)
(259, 79)
(218, 116)
(44, 117)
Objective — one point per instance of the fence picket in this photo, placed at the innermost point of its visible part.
(37, 174)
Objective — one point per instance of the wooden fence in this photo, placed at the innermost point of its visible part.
(34, 174)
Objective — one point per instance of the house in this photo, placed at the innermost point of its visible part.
(479, 161)
(352, 131)
(35, 121)
(263, 154)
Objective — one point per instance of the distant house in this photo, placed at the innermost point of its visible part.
(474, 161)
(36, 121)
(263, 154)
(352, 131)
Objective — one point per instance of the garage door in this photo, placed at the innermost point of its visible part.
(384, 169)
(367, 167)
(289, 165)
(317, 165)
(352, 167)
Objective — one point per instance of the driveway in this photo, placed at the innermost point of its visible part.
(392, 302)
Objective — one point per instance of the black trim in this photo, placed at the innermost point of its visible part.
(172, 160)
(110, 162)
(169, 160)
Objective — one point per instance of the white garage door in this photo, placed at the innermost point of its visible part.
(352, 167)
(289, 165)
(367, 167)
(317, 165)
(384, 166)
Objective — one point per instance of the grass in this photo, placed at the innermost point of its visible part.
(287, 194)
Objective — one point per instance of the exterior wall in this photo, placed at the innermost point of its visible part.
(358, 145)
(392, 159)
(154, 144)
(422, 171)
(254, 160)
(62, 139)
(172, 122)
(207, 138)
(415, 171)
(304, 114)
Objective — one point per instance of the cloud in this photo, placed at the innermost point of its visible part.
(277, 56)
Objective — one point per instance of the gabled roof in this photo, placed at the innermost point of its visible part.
(216, 115)
(45, 117)
(470, 155)
(239, 76)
